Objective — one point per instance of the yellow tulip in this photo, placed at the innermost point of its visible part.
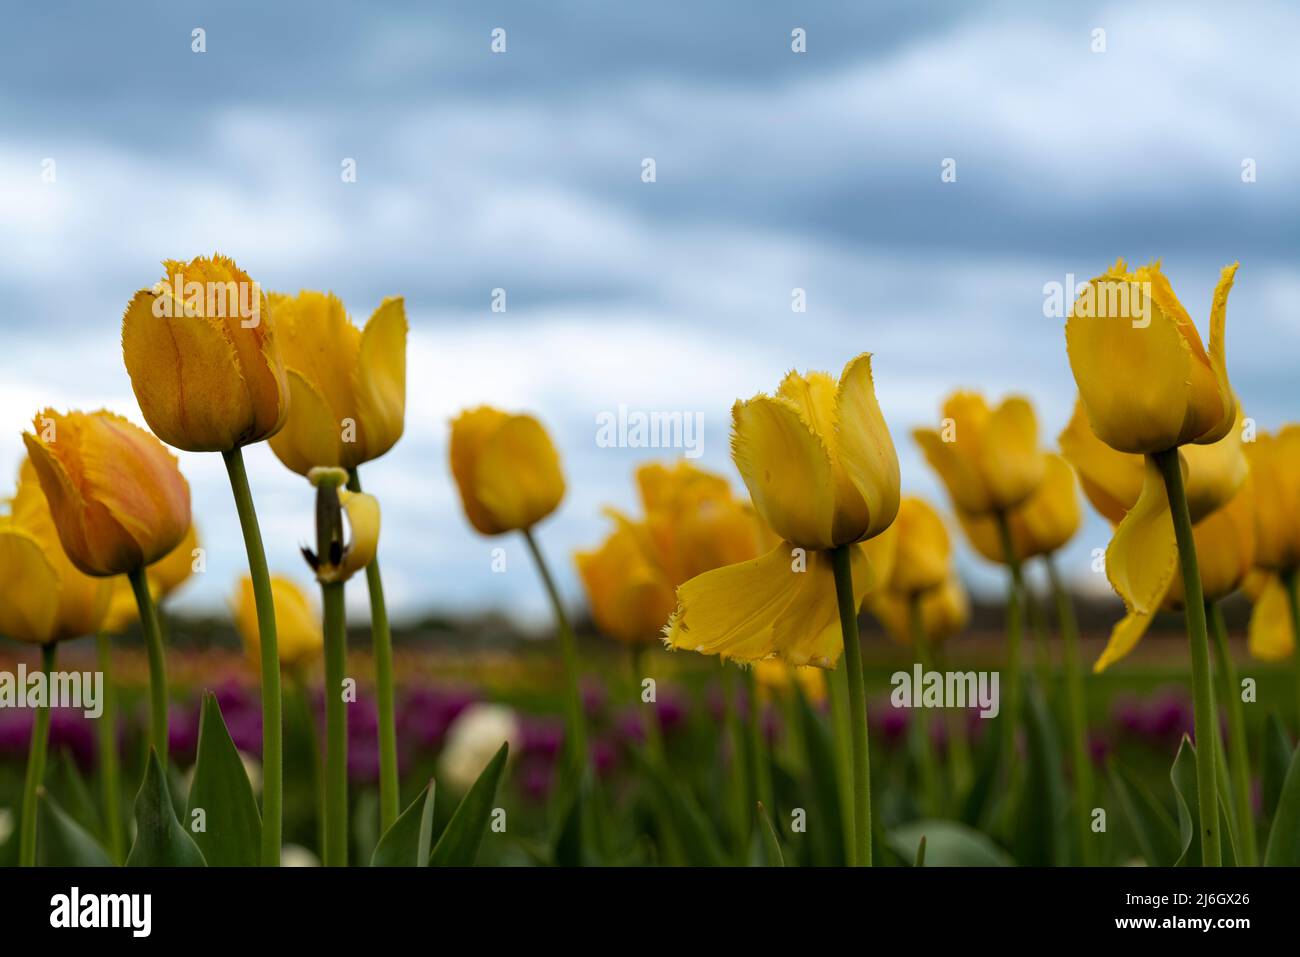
(924, 550)
(817, 458)
(1225, 547)
(201, 350)
(43, 596)
(945, 611)
(692, 524)
(506, 469)
(339, 560)
(988, 459)
(1271, 636)
(118, 499)
(1275, 465)
(822, 472)
(347, 387)
(164, 577)
(298, 626)
(1147, 382)
(1040, 526)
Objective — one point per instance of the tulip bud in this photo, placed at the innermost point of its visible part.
(506, 469)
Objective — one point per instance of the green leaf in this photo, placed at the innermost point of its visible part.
(980, 801)
(1157, 834)
(772, 856)
(920, 853)
(81, 806)
(698, 838)
(458, 846)
(1284, 836)
(159, 840)
(825, 825)
(63, 842)
(232, 834)
(406, 842)
(1039, 830)
(947, 844)
(1275, 758)
(1183, 776)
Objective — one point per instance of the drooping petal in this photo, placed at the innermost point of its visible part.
(865, 448)
(362, 511)
(786, 468)
(1123, 639)
(380, 378)
(1142, 557)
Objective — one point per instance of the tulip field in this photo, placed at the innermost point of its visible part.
(779, 667)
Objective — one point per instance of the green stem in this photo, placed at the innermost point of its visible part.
(1291, 582)
(760, 765)
(742, 809)
(1238, 756)
(157, 663)
(1011, 713)
(106, 739)
(313, 748)
(1207, 785)
(381, 639)
(1038, 628)
(923, 740)
(336, 728)
(576, 738)
(272, 721)
(841, 558)
(36, 766)
(1078, 710)
(837, 690)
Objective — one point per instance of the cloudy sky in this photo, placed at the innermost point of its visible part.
(522, 170)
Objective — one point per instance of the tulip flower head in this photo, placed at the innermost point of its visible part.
(1145, 378)
(692, 524)
(506, 469)
(822, 472)
(1270, 636)
(337, 556)
(945, 611)
(1044, 523)
(201, 349)
(118, 499)
(298, 626)
(1275, 465)
(43, 596)
(347, 386)
(988, 459)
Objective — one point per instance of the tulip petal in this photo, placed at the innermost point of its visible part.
(1270, 637)
(380, 378)
(470, 433)
(1142, 558)
(1123, 639)
(865, 448)
(362, 511)
(30, 605)
(186, 377)
(730, 611)
(955, 471)
(517, 475)
(1218, 359)
(312, 434)
(1009, 460)
(787, 469)
(809, 632)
